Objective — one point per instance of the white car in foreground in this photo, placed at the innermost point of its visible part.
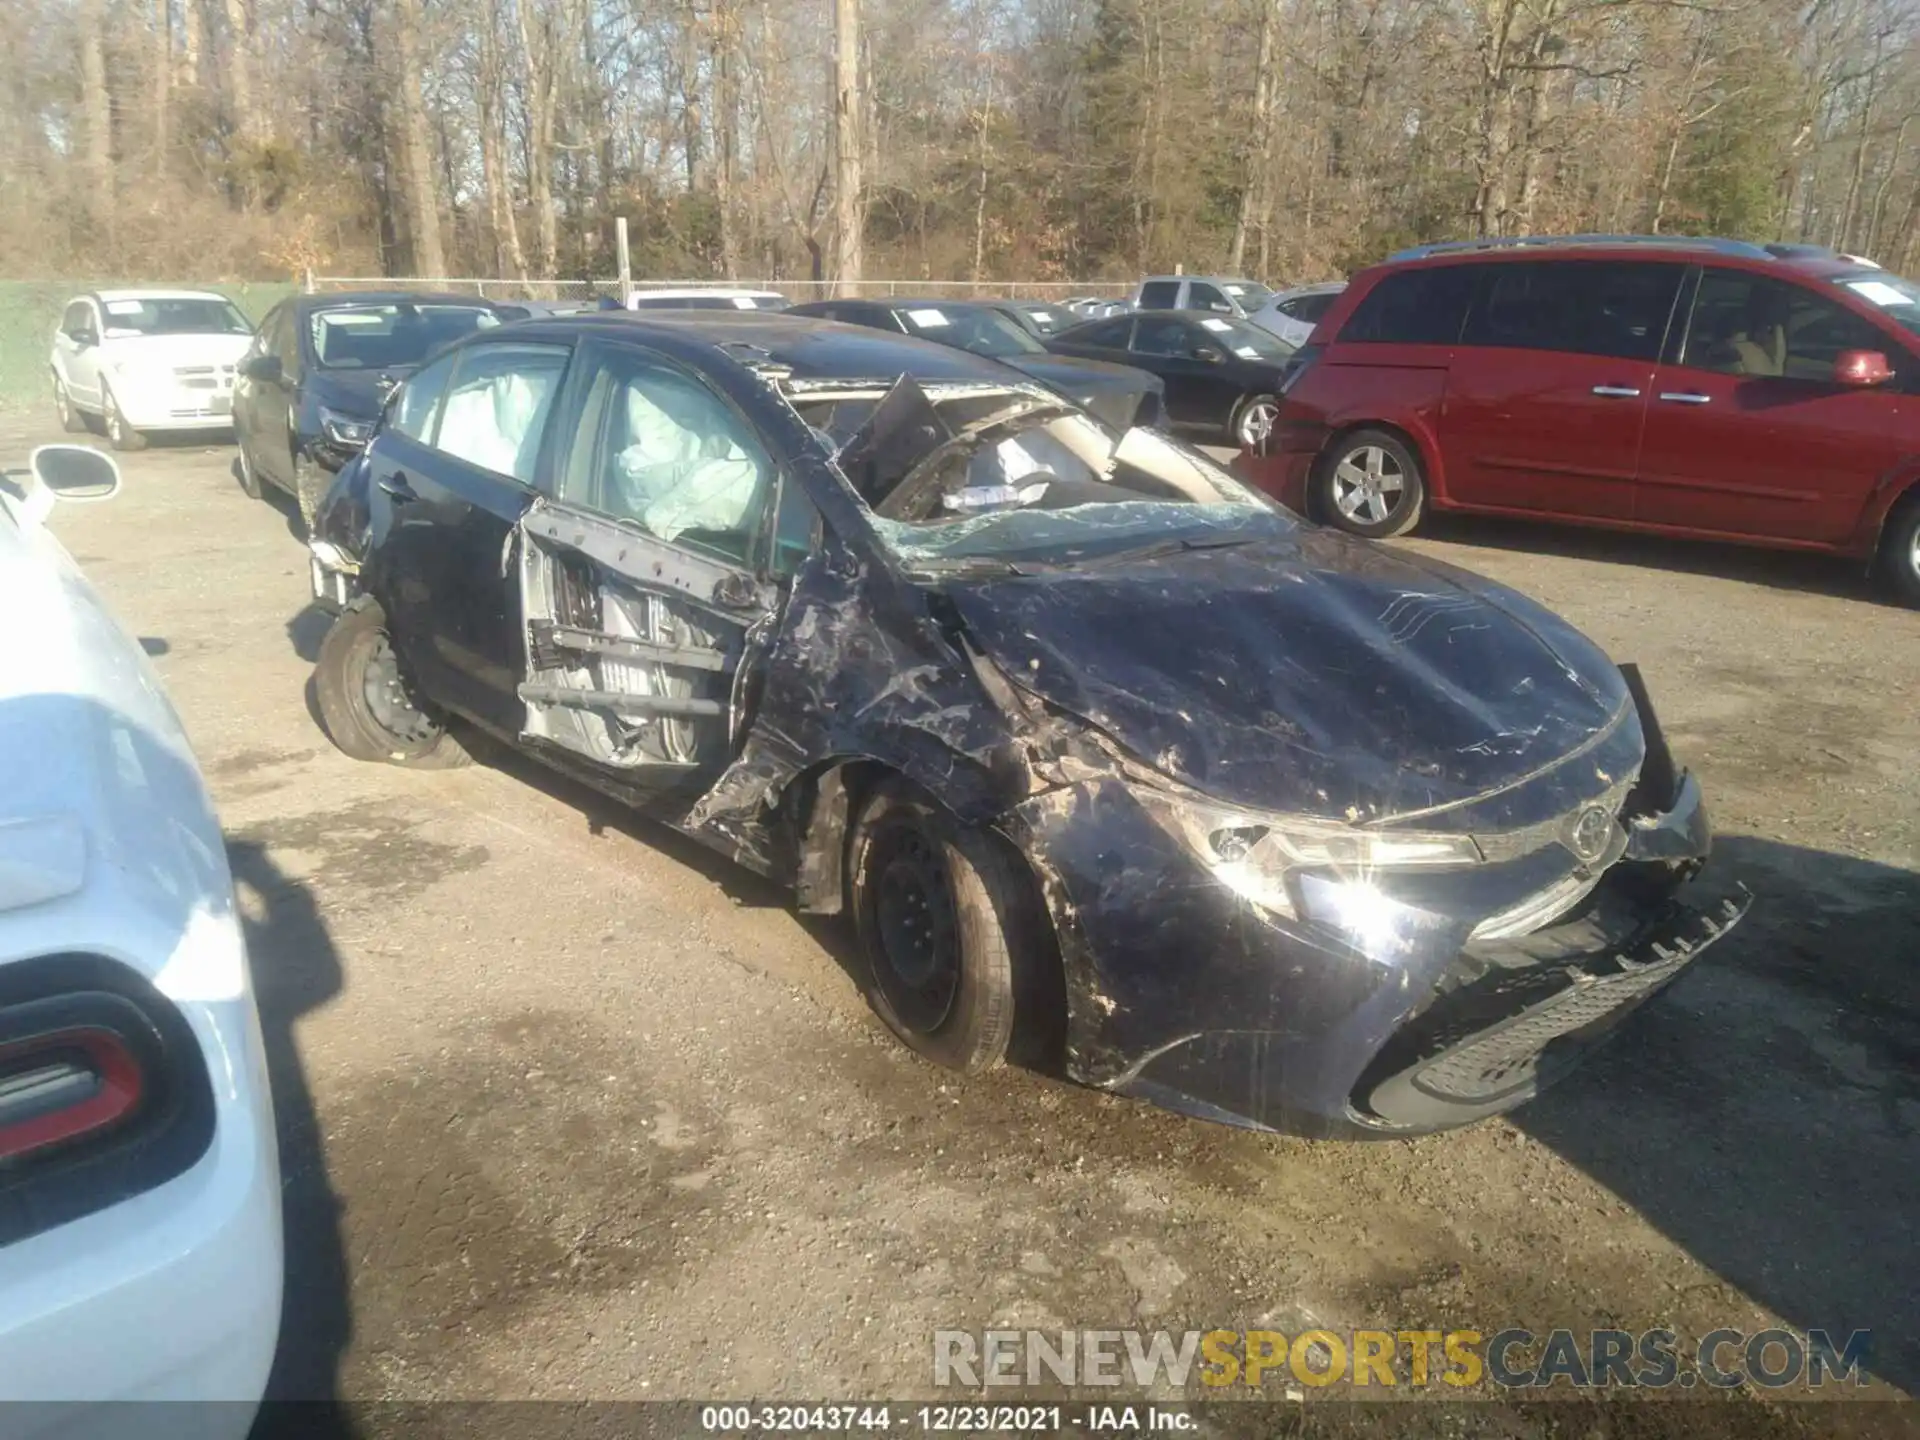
(147, 360)
(140, 1240)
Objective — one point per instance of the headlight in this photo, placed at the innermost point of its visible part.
(1254, 855)
(344, 429)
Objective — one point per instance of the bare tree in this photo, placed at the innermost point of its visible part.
(849, 210)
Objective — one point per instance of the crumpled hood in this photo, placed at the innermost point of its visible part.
(1110, 391)
(357, 393)
(1314, 674)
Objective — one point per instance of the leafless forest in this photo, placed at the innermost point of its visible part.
(934, 139)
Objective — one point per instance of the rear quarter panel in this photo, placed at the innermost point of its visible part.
(1402, 387)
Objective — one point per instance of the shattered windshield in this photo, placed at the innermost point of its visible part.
(965, 475)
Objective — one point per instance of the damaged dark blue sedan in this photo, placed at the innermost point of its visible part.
(1112, 764)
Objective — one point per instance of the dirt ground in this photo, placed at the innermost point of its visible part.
(571, 1109)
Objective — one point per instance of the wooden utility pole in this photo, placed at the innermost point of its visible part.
(849, 209)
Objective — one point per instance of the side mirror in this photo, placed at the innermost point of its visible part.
(1207, 353)
(1861, 367)
(75, 472)
(264, 368)
(83, 338)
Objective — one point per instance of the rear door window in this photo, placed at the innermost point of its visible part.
(1159, 294)
(1414, 307)
(1585, 307)
(497, 406)
(1746, 324)
(419, 402)
(1163, 337)
(1109, 334)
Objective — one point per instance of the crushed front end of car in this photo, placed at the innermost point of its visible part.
(1338, 844)
(1344, 982)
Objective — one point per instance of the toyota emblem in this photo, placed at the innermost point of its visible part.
(1590, 833)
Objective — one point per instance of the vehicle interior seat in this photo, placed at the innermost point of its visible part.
(1760, 346)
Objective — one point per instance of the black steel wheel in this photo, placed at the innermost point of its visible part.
(944, 915)
(367, 702)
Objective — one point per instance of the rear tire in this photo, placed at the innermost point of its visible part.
(120, 435)
(366, 701)
(1369, 483)
(941, 911)
(71, 420)
(1900, 550)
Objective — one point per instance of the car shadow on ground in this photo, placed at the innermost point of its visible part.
(295, 971)
(1780, 569)
(1764, 1113)
(279, 501)
(307, 629)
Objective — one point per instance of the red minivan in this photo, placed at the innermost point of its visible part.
(1702, 388)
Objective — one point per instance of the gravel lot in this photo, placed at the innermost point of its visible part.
(572, 1109)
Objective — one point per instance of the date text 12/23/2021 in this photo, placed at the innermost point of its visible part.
(945, 1419)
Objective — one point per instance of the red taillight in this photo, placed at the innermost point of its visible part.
(63, 1086)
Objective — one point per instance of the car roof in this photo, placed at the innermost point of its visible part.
(337, 299)
(1318, 287)
(154, 295)
(811, 348)
(1721, 251)
(694, 292)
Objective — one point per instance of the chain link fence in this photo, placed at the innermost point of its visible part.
(588, 291)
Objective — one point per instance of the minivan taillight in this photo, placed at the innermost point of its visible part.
(63, 1087)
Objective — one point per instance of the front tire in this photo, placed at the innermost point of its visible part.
(366, 701)
(120, 435)
(941, 910)
(1900, 551)
(249, 477)
(1254, 420)
(71, 420)
(309, 487)
(1370, 483)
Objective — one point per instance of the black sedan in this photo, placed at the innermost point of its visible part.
(1118, 394)
(1223, 375)
(310, 389)
(1109, 763)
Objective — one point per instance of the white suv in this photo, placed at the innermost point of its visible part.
(146, 360)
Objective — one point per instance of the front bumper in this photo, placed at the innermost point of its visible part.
(171, 407)
(1184, 993)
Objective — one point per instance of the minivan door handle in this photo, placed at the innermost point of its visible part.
(1686, 397)
(1617, 392)
(397, 487)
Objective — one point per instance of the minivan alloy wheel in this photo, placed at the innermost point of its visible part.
(1368, 484)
